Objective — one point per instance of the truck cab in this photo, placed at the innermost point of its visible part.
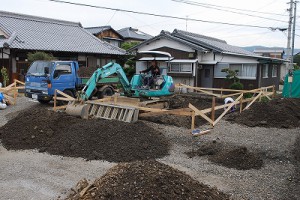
(43, 77)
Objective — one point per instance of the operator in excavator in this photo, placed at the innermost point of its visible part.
(155, 71)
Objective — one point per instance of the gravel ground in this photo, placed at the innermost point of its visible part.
(12, 111)
(36, 176)
(32, 175)
(272, 181)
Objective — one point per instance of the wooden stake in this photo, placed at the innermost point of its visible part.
(241, 103)
(213, 105)
(55, 96)
(274, 92)
(193, 120)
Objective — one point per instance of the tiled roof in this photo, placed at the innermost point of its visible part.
(38, 33)
(132, 33)
(97, 30)
(168, 35)
(211, 43)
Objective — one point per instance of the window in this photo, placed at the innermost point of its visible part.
(245, 71)
(274, 71)
(180, 67)
(61, 69)
(265, 71)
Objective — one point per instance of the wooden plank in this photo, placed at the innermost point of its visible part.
(200, 113)
(227, 109)
(258, 96)
(179, 111)
(59, 107)
(64, 99)
(230, 95)
(20, 82)
(9, 99)
(64, 94)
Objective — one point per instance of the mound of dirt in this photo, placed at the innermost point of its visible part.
(229, 156)
(145, 180)
(279, 113)
(61, 134)
(238, 158)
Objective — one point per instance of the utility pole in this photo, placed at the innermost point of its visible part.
(288, 48)
(293, 39)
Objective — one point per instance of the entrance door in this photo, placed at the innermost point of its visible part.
(206, 76)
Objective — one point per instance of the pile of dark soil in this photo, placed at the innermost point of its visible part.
(145, 180)
(61, 134)
(238, 158)
(86, 71)
(279, 113)
(229, 156)
(182, 101)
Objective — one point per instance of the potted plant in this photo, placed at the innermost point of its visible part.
(4, 76)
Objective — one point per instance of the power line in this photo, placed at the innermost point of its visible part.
(265, 13)
(210, 6)
(159, 15)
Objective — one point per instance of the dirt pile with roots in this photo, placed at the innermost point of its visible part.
(238, 157)
(144, 180)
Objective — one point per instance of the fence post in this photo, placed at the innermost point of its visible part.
(55, 95)
(193, 120)
(241, 103)
(274, 92)
(213, 105)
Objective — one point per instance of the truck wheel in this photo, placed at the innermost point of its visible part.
(107, 91)
(62, 103)
(43, 101)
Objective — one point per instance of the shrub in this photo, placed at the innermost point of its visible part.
(236, 86)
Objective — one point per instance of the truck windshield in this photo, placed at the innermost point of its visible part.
(37, 68)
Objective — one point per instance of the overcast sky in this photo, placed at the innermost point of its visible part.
(277, 17)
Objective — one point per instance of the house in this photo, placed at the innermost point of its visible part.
(274, 52)
(106, 33)
(270, 52)
(130, 34)
(21, 34)
(198, 61)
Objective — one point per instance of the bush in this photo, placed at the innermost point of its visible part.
(236, 86)
(39, 55)
(248, 95)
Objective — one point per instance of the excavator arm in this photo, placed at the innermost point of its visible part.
(105, 71)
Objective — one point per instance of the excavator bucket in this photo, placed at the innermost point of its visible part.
(104, 111)
(78, 109)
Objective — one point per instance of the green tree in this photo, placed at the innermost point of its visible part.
(128, 45)
(232, 76)
(5, 76)
(39, 55)
(130, 61)
(297, 59)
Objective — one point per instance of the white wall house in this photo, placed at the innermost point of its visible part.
(198, 60)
